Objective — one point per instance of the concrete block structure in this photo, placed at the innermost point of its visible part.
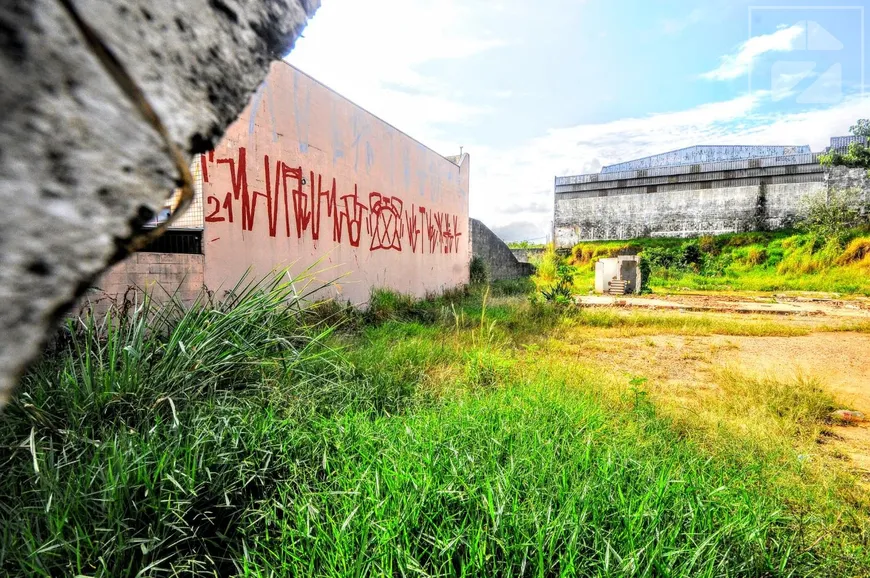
(694, 191)
(618, 275)
(308, 180)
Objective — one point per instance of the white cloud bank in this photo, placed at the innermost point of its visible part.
(739, 64)
(503, 180)
(372, 54)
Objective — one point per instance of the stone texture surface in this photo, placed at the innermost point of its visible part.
(681, 201)
(846, 178)
(80, 166)
(703, 208)
(495, 253)
(528, 255)
(160, 275)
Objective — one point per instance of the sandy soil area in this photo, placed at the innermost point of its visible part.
(840, 362)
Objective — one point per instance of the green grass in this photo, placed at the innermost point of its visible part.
(255, 439)
(761, 261)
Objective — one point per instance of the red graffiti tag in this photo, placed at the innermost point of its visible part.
(313, 200)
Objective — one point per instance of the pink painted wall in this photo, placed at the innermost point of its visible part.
(305, 175)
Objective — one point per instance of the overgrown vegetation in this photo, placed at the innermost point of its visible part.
(832, 214)
(561, 290)
(477, 271)
(525, 245)
(269, 436)
(857, 154)
(824, 257)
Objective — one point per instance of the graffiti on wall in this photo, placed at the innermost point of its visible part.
(306, 205)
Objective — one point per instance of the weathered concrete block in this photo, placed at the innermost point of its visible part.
(99, 100)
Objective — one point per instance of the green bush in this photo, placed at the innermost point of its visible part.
(707, 244)
(478, 272)
(550, 263)
(830, 214)
(857, 155)
(561, 290)
(662, 257)
(645, 270)
(692, 254)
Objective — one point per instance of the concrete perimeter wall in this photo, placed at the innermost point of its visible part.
(160, 274)
(692, 201)
(528, 255)
(680, 213)
(496, 254)
(305, 178)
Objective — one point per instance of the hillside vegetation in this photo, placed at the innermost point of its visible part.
(458, 436)
(762, 261)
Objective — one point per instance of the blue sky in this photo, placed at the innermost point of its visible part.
(533, 90)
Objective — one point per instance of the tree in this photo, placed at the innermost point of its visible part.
(861, 128)
(858, 153)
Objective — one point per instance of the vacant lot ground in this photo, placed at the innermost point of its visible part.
(685, 369)
(478, 434)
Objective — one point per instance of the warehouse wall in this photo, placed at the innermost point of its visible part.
(686, 213)
(305, 178)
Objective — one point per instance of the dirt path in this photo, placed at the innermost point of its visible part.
(840, 362)
(743, 303)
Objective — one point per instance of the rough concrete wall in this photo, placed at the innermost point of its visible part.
(846, 178)
(678, 213)
(161, 275)
(528, 255)
(784, 203)
(496, 254)
(101, 101)
(305, 178)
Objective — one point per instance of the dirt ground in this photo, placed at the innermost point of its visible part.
(837, 360)
(785, 304)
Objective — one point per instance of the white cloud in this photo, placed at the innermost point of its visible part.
(738, 64)
(519, 231)
(505, 180)
(372, 53)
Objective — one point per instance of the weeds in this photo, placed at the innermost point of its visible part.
(254, 438)
(759, 261)
(478, 271)
(560, 291)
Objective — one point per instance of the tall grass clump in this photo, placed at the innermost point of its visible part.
(857, 252)
(233, 439)
(388, 305)
(150, 435)
(549, 266)
(478, 272)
